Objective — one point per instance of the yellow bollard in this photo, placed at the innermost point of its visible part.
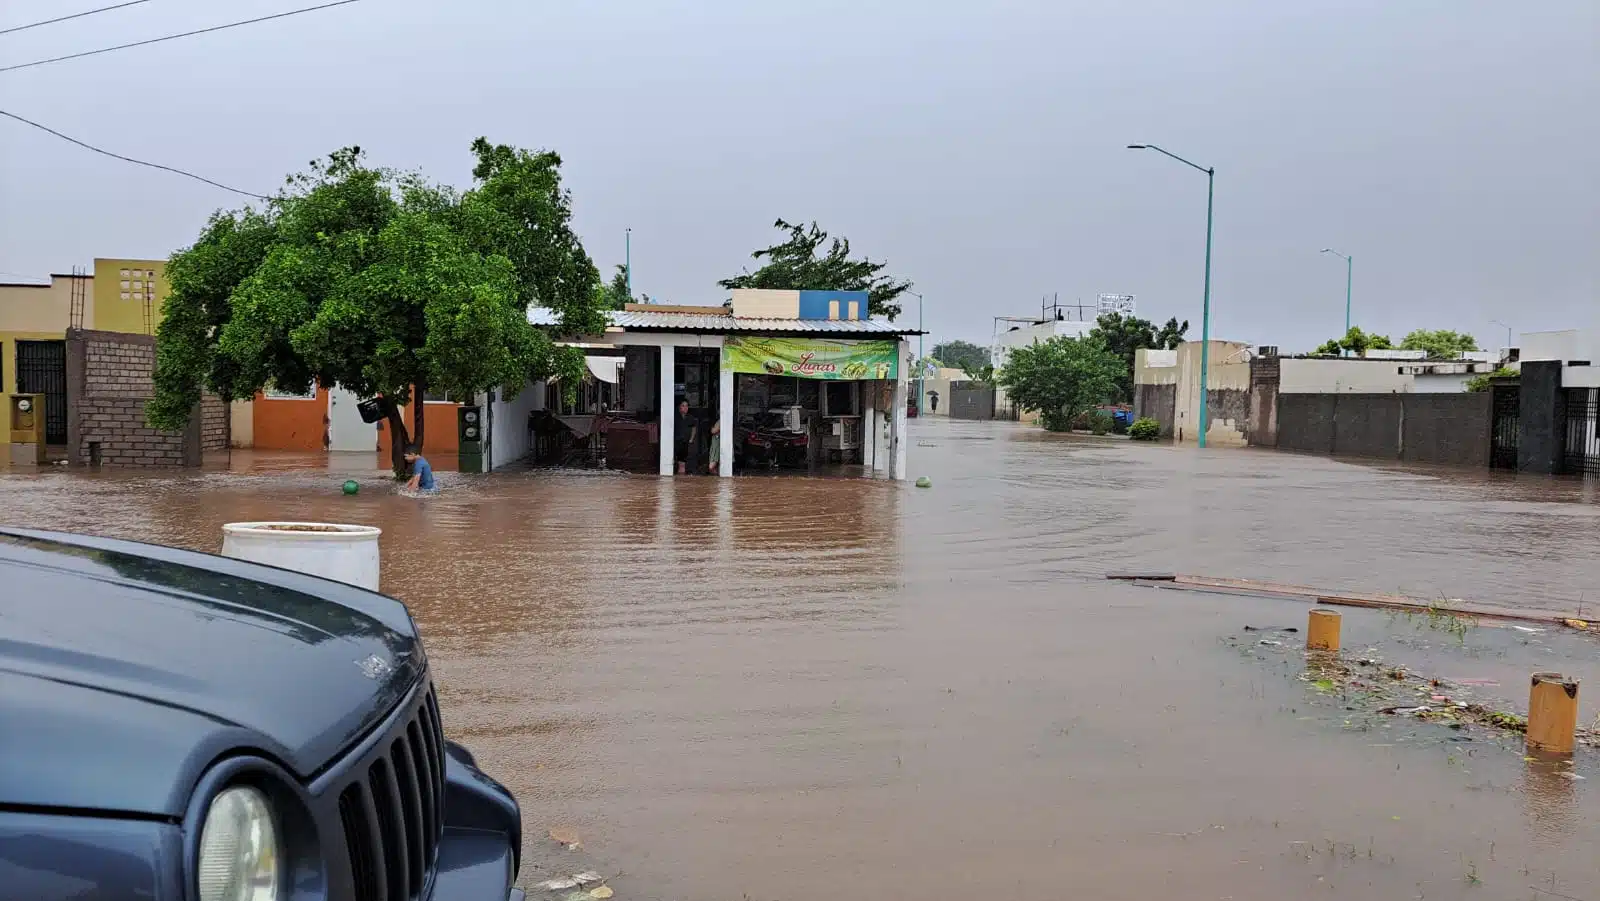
(1322, 631)
(1552, 713)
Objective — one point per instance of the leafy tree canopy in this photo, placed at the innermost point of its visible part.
(795, 265)
(1126, 335)
(1442, 344)
(1356, 341)
(963, 355)
(614, 294)
(1061, 378)
(380, 282)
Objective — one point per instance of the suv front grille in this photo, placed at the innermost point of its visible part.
(393, 814)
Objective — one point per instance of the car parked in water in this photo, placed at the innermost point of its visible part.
(177, 726)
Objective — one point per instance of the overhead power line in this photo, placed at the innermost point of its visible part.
(129, 159)
(103, 9)
(174, 37)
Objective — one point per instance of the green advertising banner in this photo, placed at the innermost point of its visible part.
(812, 358)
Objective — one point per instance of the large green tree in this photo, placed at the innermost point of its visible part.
(380, 282)
(1441, 344)
(1061, 378)
(963, 355)
(796, 264)
(1125, 336)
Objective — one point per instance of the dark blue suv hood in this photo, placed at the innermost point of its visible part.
(125, 669)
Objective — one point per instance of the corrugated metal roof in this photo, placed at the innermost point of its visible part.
(706, 322)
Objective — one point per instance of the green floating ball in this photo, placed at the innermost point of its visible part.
(351, 486)
(924, 482)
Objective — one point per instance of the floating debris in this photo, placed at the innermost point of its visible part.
(602, 892)
(588, 877)
(558, 884)
(565, 835)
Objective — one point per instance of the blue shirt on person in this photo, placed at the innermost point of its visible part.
(424, 474)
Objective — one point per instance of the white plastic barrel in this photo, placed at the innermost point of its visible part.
(336, 551)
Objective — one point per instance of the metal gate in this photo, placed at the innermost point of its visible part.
(42, 369)
(1583, 431)
(1507, 422)
(971, 400)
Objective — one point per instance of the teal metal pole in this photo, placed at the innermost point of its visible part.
(1205, 319)
(627, 265)
(1205, 313)
(1349, 273)
(922, 371)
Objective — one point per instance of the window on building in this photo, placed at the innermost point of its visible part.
(439, 397)
(273, 392)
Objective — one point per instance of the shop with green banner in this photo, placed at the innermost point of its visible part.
(799, 401)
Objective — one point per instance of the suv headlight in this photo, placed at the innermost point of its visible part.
(239, 858)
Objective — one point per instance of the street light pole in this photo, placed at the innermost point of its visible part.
(922, 375)
(1205, 310)
(1349, 267)
(627, 266)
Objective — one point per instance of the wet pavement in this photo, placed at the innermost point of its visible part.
(791, 688)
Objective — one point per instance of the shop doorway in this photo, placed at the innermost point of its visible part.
(784, 423)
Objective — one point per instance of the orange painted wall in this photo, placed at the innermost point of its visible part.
(440, 425)
(291, 424)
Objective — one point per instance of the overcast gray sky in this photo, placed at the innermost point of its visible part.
(1449, 145)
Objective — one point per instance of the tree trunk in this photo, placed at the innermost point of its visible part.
(419, 393)
(398, 439)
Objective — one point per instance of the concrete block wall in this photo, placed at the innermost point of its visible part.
(1451, 429)
(109, 381)
(214, 423)
(119, 365)
(117, 425)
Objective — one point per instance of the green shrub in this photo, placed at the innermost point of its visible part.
(1100, 422)
(1144, 429)
(1054, 421)
(1480, 382)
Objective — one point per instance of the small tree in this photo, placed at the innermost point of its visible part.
(1356, 341)
(1061, 378)
(1125, 336)
(963, 355)
(1441, 344)
(614, 295)
(794, 265)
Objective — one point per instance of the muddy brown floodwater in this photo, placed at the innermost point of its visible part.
(787, 688)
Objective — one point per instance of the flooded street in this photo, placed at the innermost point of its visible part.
(790, 688)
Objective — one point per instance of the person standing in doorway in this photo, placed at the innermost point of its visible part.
(716, 447)
(684, 437)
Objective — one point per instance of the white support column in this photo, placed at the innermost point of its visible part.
(669, 409)
(869, 425)
(897, 445)
(725, 417)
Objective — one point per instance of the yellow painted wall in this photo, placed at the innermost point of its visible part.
(8, 371)
(120, 287)
(42, 308)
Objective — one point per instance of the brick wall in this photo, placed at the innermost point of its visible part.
(213, 423)
(108, 383)
(119, 366)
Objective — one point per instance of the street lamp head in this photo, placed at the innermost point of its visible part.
(1327, 250)
(1138, 146)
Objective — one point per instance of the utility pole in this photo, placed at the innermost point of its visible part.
(627, 266)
